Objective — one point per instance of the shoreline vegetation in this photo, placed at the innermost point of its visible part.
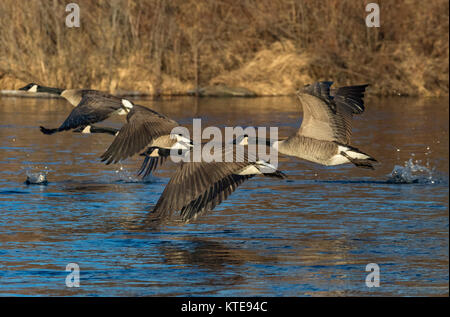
(226, 48)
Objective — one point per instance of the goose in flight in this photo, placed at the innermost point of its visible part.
(324, 135)
(149, 131)
(198, 187)
(91, 106)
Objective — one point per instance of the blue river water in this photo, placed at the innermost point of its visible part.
(312, 234)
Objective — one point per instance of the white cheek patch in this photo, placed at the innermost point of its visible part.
(127, 104)
(244, 141)
(155, 153)
(33, 89)
(183, 139)
(87, 129)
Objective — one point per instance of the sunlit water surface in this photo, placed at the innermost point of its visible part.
(310, 235)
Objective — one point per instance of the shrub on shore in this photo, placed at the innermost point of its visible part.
(269, 47)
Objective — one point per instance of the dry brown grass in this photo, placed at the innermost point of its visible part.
(279, 69)
(270, 47)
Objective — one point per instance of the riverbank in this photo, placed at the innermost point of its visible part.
(268, 48)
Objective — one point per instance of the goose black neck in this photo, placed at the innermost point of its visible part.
(267, 142)
(50, 90)
(107, 130)
(261, 141)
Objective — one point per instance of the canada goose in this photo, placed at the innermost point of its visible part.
(147, 130)
(152, 153)
(324, 135)
(150, 162)
(90, 106)
(197, 187)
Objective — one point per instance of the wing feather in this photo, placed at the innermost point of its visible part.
(327, 117)
(187, 188)
(142, 127)
(91, 109)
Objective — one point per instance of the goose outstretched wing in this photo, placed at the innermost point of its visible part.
(327, 113)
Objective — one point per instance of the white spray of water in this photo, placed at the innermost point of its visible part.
(38, 178)
(414, 171)
(126, 176)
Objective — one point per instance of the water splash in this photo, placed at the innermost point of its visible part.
(36, 178)
(413, 172)
(125, 176)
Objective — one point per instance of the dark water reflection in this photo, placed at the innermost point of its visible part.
(312, 234)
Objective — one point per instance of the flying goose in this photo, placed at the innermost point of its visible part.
(149, 131)
(198, 187)
(157, 155)
(324, 135)
(90, 106)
